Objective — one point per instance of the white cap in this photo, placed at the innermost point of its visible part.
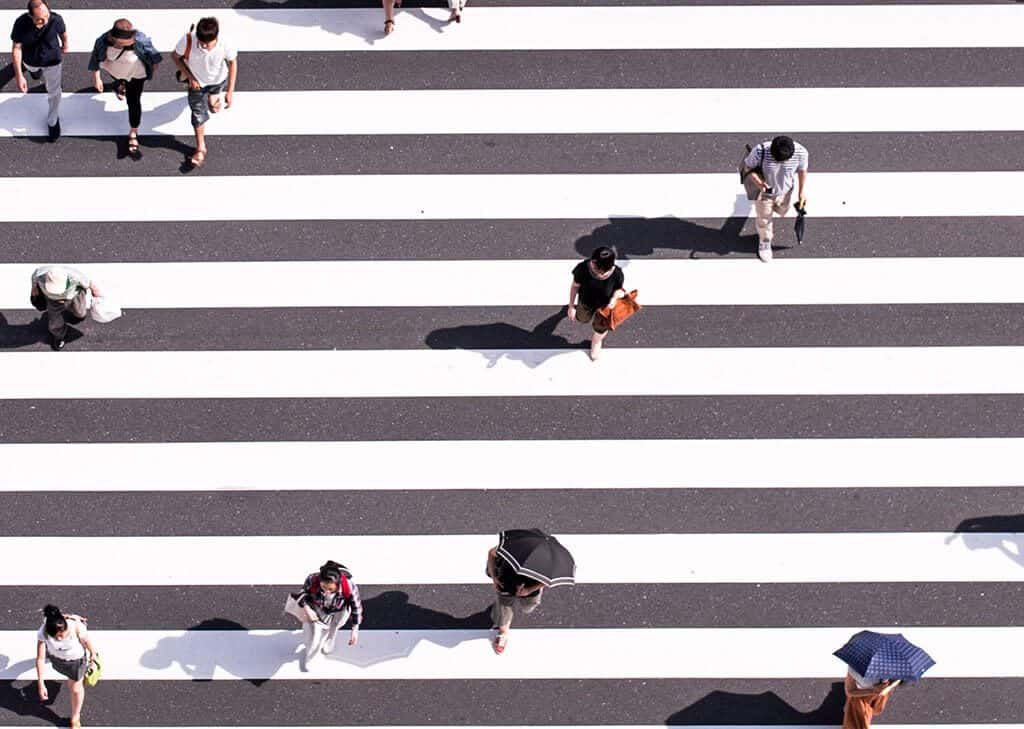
(55, 283)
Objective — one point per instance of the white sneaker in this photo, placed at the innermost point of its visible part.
(764, 250)
(328, 646)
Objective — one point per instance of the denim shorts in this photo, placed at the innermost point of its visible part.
(199, 102)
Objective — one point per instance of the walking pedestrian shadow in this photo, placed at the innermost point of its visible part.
(726, 707)
(500, 340)
(24, 700)
(30, 332)
(367, 26)
(644, 236)
(392, 610)
(1001, 532)
(244, 655)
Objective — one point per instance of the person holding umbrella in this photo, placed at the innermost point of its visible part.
(521, 566)
(877, 663)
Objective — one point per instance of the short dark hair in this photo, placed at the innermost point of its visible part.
(603, 258)
(207, 30)
(33, 4)
(782, 148)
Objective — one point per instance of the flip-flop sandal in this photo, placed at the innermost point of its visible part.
(197, 159)
(133, 146)
(389, 27)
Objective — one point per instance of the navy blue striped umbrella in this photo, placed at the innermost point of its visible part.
(537, 556)
(884, 657)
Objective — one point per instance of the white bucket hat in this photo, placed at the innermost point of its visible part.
(55, 283)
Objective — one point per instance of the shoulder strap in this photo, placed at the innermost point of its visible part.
(188, 42)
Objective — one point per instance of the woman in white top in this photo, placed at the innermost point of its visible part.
(65, 641)
(129, 57)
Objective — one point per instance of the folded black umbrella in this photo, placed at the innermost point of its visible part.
(537, 556)
(798, 227)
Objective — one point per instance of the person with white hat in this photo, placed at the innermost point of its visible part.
(61, 290)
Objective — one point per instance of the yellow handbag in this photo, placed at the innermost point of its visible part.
(92, 675)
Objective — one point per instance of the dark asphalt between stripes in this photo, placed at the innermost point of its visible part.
(595, 69)
(503, 154)
(569, 702)
(465, 607)
(528, 327)
(138, 513)
(540, 418)
(304, 240)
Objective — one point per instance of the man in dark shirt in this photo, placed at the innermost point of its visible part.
(40, 42)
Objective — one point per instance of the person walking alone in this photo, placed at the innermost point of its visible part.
(61, 291)
(40, 42)
(129, 57)
(327, 600)
(210, 65)
(774, 166)
(515, 594)
(864, 699)
(64, 640)
(597, 282)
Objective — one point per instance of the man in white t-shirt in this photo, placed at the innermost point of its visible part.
(210, 65)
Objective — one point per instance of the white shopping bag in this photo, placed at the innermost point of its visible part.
(104, 310)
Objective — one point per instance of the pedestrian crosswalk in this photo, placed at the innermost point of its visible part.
(344, 338)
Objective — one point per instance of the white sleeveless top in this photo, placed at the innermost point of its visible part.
(123, 63)
(69, 649)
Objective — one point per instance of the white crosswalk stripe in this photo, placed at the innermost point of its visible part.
(173, 488)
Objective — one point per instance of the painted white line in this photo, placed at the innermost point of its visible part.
(455, 559)
(514, 197)
(512, 28)
(490, 283)
(514, 373)
(526, 464)
(533, 654)
(548, 111)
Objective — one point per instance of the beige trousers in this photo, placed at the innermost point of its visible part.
(764, 207)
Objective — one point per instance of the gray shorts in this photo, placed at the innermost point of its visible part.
(199, 102)
(75, 670)
(506, 606)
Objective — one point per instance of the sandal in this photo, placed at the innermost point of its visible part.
(133, 146)
(120, 89)
(500, 643)
(389, 26)
(197, 159)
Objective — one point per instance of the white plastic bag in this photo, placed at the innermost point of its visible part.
(104, 310)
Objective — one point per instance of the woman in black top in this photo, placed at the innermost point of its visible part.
(598, 282)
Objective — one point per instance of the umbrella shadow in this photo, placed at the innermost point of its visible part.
(634, 236)
(30, 333)
(726, 707)
(501, 340)
(1001, 532)
(199, 656)
(367, 27)
(24, 700)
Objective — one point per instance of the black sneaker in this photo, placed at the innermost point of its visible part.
(54, 131)
(56, 344)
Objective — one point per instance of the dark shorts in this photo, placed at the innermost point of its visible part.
(585, 314)
(75, 670)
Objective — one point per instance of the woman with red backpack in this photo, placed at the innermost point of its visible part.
(327, 600)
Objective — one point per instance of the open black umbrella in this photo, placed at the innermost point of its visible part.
(538, 556)
(800, 224)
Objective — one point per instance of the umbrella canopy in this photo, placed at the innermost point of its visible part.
(538, 556)
(884, 657)
(800, 223)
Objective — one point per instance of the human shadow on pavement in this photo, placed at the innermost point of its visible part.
(725, 707)
(24, 700)
(1001, 532)
(500, 340)
(392, 610)
(644, 236)
(368, 27)
(29, 333)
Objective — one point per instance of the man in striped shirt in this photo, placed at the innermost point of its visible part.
(779, 162)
